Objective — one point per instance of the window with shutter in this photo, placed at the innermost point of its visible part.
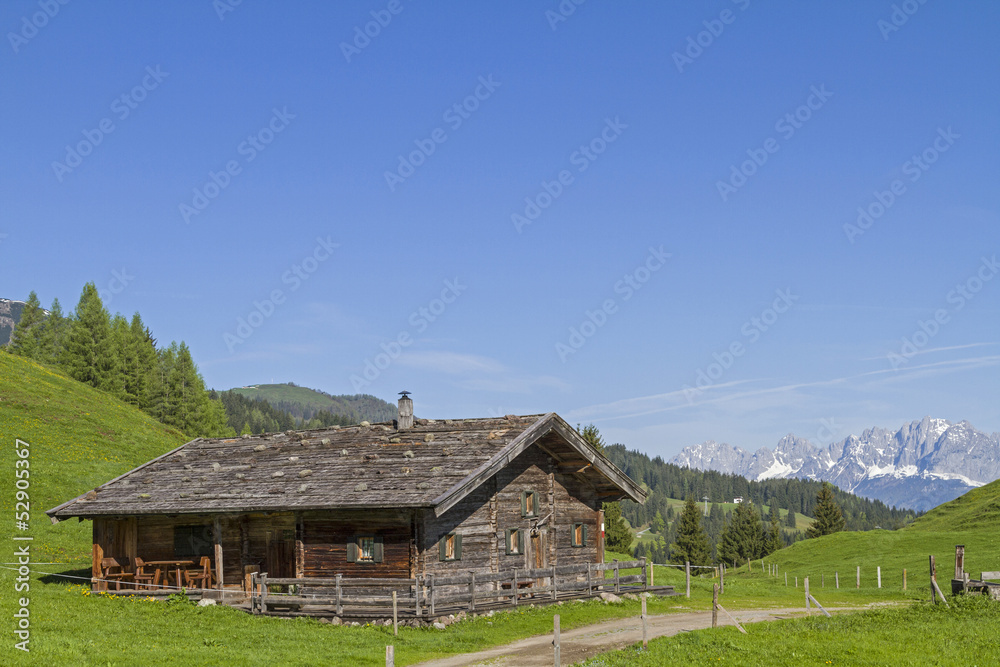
(450, 547)
(365, 549)
(529, 503)
(515, 541)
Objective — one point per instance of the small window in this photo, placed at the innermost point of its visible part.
(529, 503)
(365, 549)
(579, 534)
(515, 541)
(450, 547)
(193, 541)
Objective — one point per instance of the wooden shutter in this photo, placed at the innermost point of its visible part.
(524, 503)
(379, 550)
(443, 548)
(583, 542)
(458, 546)
(507, 540)
(352, 551)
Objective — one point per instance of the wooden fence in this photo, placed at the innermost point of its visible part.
(423, 595)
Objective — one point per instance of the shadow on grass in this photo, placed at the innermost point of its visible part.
(81, 576)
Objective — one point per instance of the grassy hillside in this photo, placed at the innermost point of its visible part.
(972, 520)
(303, 403)
(79, 437)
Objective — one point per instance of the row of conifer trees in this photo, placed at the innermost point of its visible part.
(121, 358)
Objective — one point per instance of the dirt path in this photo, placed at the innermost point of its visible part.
(587, 641)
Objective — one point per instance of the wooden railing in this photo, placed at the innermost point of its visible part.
(422, 595)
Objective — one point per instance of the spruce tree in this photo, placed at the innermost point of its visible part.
(743, 537)
(88, 354)
(144, 351)
(25, 338)
(827, 516)
(658, 524)
(790, 517)
(54, 334)
(691, 543)
(775, 540)
(617, 534)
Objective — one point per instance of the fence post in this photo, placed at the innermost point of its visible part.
(652, 573)
(858, 582)
(433, 594)
(263, 592)
(340, 602)
(786, 579)
(879, 575)
(933, 594)
(472, 590)
(645, 581)
(390, 656)
(590, 585)
(904, 578)
(555, 638)
(748, 566)
(253, 593)
(687, 576)
(822, 580)
(645, 629)
(617, 583)
(555, 589)
(836, 576)
(513, 585)
(808, 610)
(715, 605)
(722, 579)
(796, 581)
(395, 617)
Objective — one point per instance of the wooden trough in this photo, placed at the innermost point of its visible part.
(987, 584)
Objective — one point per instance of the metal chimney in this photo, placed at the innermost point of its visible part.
(405, 411)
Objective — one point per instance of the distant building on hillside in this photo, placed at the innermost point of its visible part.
(738, 499)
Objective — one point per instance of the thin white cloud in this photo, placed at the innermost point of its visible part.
(933, 349)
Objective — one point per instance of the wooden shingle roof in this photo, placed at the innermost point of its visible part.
(434, 464)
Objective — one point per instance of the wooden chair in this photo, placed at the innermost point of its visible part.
(143, 577)
(202, 576)
(113, 570)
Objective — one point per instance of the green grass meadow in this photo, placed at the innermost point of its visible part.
(80, 438)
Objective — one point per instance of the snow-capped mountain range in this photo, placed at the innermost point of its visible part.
(921, 465)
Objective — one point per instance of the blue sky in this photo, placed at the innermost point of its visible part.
(724, 220)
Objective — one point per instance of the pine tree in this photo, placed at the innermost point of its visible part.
(617, 534)
(123, 362)
(743, 537)
(658, 524)
(54, 334)
(25, 338)
(775, 540)
(691, 543)
(790, 518)
(144, 351)
(88, 354)
(827, 516)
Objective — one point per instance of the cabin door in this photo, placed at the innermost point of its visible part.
(280, 553)
(537, 553)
